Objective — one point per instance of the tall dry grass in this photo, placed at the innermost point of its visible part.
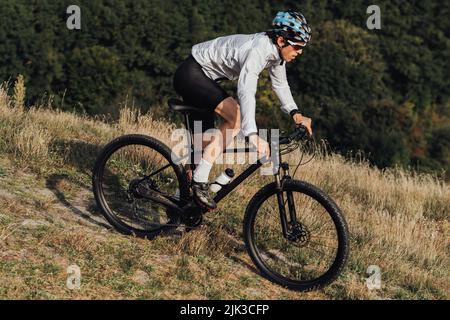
(398, 220)
(41, 133)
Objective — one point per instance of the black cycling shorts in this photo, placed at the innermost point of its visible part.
(197, 90)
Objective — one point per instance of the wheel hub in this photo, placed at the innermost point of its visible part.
(299, 234)
(138, 187)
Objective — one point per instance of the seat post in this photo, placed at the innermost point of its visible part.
(188, 127)
(186, 121)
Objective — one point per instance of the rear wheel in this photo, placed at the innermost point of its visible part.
(131, 169)
(313, 251)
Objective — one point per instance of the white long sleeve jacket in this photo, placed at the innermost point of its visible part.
(243, 57)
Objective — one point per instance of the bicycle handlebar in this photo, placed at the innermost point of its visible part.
(299, 133)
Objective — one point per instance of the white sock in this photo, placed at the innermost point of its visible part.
(201, 173)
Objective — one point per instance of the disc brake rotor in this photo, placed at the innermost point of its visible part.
(299, 234)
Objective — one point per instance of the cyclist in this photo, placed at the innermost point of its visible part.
(241, 57)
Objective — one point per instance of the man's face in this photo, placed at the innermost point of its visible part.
(290, 52)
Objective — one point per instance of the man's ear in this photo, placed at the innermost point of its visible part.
(280, 41)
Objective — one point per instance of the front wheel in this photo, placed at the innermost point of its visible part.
(296, 237)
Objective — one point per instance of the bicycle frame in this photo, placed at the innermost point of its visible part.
(225, 190)
(170, 205)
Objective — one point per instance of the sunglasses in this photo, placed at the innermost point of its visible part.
(296, 45)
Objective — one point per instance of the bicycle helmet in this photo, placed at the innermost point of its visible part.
(292, 26)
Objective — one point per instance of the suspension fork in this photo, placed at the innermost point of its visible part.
(290, 196)
(281, 208)
(281, 201)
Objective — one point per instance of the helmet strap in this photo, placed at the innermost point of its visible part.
(272, 35)
(281, 56)
(279, 50)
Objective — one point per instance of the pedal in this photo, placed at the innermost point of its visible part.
(202, 206)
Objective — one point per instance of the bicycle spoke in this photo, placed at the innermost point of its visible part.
(321, 226)
(321, 244)
(317, 250)
(320, 237)
(158, 171)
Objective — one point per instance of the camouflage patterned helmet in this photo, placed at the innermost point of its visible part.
(291, 25)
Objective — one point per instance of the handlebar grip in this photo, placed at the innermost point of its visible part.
(301, 129)
(284, 140)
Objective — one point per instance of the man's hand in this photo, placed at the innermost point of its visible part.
(302, 120)
(262, 147)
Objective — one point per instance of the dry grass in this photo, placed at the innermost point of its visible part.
(398, 220)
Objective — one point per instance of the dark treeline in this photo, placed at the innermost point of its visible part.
(382, 91)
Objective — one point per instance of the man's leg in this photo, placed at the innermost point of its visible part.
(229, 110)
(199, 139)
(187, 166)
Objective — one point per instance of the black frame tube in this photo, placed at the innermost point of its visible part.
(237, 181)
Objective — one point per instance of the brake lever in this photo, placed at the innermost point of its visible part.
(300, 132)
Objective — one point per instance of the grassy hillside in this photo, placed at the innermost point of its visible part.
(48, 221)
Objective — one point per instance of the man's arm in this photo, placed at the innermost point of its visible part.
(281, 87)
(246, 90)
(252, 66)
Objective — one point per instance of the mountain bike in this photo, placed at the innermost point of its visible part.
(295, 234)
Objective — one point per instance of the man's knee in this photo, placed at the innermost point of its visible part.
(237, 118)
(235, 115)
(230, 111)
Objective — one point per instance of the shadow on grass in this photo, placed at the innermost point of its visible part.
(81, 156)
(245, 264)
(91, 215)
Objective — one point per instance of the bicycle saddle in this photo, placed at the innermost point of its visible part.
(179, 105)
